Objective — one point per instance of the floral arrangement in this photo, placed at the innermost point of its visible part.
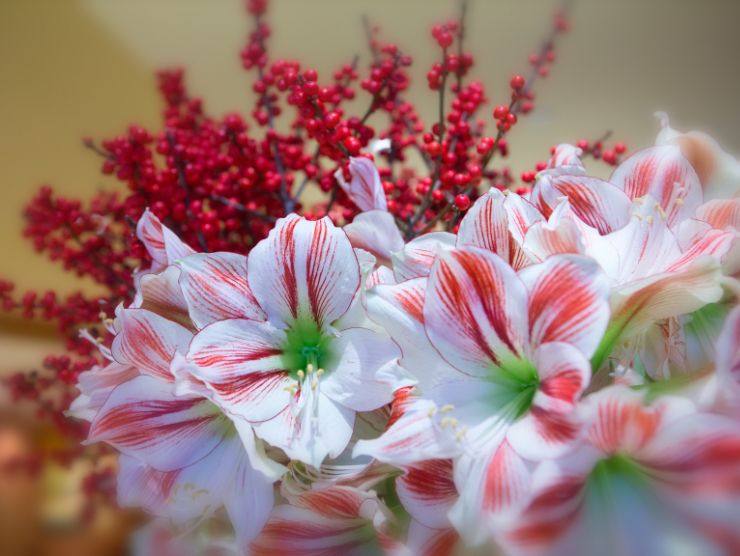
(434, 356)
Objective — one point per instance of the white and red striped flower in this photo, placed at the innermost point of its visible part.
(300, 375)
(644, 229)
(515, 354)
(499, 223)
(657, 478)
(181, 457)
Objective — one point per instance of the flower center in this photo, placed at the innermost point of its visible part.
(306, 349)
(615, 470)
(518, 382)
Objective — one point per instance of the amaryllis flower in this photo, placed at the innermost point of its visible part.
(516, 349)
(364, 187)
(653, 276)
(300, 375)
(181, 457)
(335, 520)
(499, 222)
(657, 478)
(717, 170)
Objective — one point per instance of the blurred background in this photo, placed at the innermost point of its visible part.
(74, 68)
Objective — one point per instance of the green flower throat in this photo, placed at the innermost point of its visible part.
(306, 348)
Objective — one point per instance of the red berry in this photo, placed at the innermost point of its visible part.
(500, 112)
(517, 82)
(462, 202)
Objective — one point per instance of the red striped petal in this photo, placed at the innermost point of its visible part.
(597, 203)
(365, 188)
(161, 242)
(304, 269)
(499, 222)
(144, 418)
(241, 362)
(664, 174)
(568, 302)
(148, 342)
(475, 310)
(215, 286)
(427, 491)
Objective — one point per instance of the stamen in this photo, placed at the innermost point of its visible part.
(447, 408)
(309, 368)
(301, 374)
(448, 421)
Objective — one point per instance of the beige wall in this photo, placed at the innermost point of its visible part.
(70, 68)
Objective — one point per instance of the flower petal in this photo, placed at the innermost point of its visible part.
(304, 269)
(399, 309)
(248, 500)
(664, 174)
(429, 541)
(241, 362)
(566, 158)
(148, 342)
(413, 434)
(353, 380)
(550, 427)
(427, 492)
(568, 302)
(418, 255)
(644, 247)
(376, 232)
(143, 418)
(637, 305)
(95, 386)
(562, 233)
(311, 428)
(721, 214)
(162, 244)
(161, 294)
(499, 222)
(337, 520)
(619, 420)
(215, 287)
(492, 483)
(475, 310)
(718, 171)
(597, 203)
(365, 188)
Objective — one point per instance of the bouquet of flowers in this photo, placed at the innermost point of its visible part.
(434, 356)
